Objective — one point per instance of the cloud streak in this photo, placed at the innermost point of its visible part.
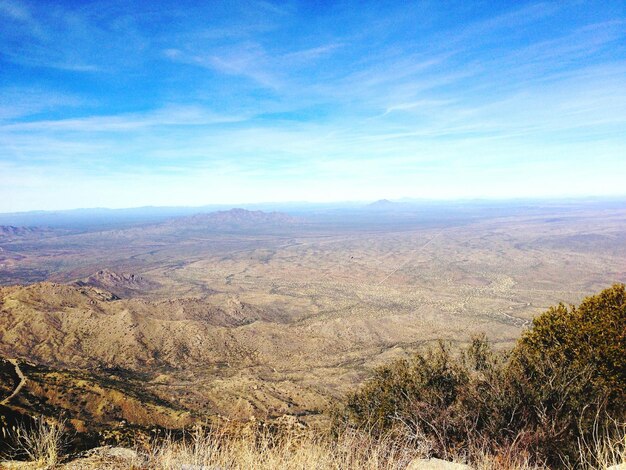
(272, 101)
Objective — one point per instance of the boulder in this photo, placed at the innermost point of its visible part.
(107, 457)
(436, 464)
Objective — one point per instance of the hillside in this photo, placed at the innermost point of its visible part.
(10, 232)
(206, 354)
(84, 326)
(120, 284)
(108, 406)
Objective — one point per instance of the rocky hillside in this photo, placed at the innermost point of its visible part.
(85, 326)
(10, 232)
(107, 406)
(120, 284)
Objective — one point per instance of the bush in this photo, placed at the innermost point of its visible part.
(589, 340)
(572, 368)
(562, 384)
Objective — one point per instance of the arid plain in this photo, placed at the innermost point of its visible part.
(244, 313)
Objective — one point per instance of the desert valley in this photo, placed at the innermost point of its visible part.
(246, 313)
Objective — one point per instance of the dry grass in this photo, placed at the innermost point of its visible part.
(216, 450)
(605, 449)
(42, 444)
(287, 450)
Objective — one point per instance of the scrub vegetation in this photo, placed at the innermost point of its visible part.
(561, 387)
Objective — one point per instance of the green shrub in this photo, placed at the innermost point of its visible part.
(590, 340)
(571, 367)
(563, 383)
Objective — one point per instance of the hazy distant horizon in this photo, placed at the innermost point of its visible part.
(109, 104)
(276, 205)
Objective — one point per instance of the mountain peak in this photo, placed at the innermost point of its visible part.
(381, 204)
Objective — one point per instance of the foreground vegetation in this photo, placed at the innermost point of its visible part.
(254, 446)
(556, 400)
(561, 388)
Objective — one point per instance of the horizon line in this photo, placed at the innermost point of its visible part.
(402, 200)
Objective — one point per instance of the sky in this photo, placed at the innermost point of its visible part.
(124, 104)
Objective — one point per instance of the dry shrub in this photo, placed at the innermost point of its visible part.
(605, 447)
(42, 443)
(220, 447)
(563, 383)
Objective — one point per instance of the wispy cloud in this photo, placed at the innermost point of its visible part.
(19, 102)
(52, 36)
(262, 100)
(15, 11)
(169, 116)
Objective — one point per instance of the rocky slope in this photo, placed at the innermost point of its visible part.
(120, 284)
(84, 326)
(10, 232)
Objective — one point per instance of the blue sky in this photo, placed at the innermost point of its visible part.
(121, 104)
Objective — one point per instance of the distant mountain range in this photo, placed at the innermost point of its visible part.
(235, 219)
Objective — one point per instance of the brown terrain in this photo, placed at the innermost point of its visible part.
(9, 232)
(244, 313)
